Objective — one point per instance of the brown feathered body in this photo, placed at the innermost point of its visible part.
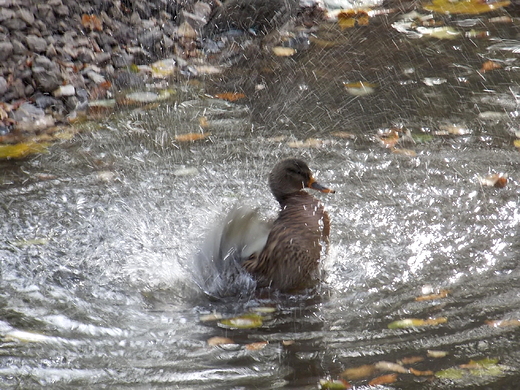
(291, 256)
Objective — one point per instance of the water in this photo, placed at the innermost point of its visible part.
(99, 234)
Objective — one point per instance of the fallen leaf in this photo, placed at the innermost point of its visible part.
(324, 44)
(281, 51)
(411, 360)
(287, 343)
(191, 137)
(498, 180)
(436, 354)
(389, 366)
(351, 18)
(337, 384)
(214, 341)
(22, 150)
(245, 321)
(516, 143)
(343, 134)
(308, 143)
(92, 22)
(230, 96)
(489, 66)
(444, 32)
(383, 380)
(450, 373)
(211, 317)
(256, 346)
(470, 7)
(503, 323)
(431, 297)
(360, 88)
(404, 152)
(359, 372)
(416, 322)
(421, 373)
(389, 138)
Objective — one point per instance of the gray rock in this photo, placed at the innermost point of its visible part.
(43, 62)
(150, 38)
(122, 60)
(47, 81)
(29, 90)
(3, 86)
(44, 101)
(18, 47)
(28, 112)
(15, 24)
(102, 58)
(36, 44)
(85, 55)
(6, 14)
(51, 51)
(45, 13)
(6, 49)
(62, 10)
(26, 15)
(64, 90)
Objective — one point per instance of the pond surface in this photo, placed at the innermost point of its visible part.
(98, 236)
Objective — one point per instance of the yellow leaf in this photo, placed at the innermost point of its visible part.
(22, 150)
(214, 341)
(516, 142)
(281, 51)
(256, 346)
(471, 7)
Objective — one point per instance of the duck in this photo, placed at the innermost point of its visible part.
(246, 253)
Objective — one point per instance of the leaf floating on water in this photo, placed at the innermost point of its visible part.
(430, 297)
(416, 322)
(34, 241)
(498, 180)
(421, 373)
(516, 143)
(214, 341)
(287, 343)
(360, 372)
(450, 373)
(489, 66)
(439, 32)
(389, 366)
(360, 88)
(503, 323)
(142, 97)
(471, 7)
(411, 360)
(281, 51)
(191, 137)
(264, 309)
(337, 384)
(351, 18)
(383, 380)
(389, 138)
(256, 346)
(405, 152)
(436, 354)
(22, 150)
(245, 321)
(308, 143)
(230, 96)
(343, 134)
(211, 317)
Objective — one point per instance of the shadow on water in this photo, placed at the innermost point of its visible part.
(100, 234)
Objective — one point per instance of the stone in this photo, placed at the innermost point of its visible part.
(122, 60)
(28, 112)
(45, 13)
(26, 15)
(96, 77)
(37, 125)
(85, 55)
(44, 101)
(15, 24)
(62, 10)
(51, 51)
(29, 90)
(150, 38)
(186, 31)
(43, 62)
(18, 47)
(47, 81)
(6, 14)
(64, 90)
(3, 86)
(6, 49)
(36, 44)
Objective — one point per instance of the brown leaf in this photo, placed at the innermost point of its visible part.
(214, 341)
(411, 360)
(256, 346)
(230, 96)
(191, 137)
(431, 297)
(489, 66)
(359, 372)
(421, 373)
(383, 380)
(92, 22)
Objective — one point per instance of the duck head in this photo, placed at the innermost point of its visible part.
(291, 176)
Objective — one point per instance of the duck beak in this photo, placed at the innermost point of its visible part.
(318, 187)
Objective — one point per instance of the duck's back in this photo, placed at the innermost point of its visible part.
(291, 255)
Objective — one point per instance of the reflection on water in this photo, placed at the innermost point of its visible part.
(99, 235)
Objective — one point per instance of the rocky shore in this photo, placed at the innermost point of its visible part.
(58, 55)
